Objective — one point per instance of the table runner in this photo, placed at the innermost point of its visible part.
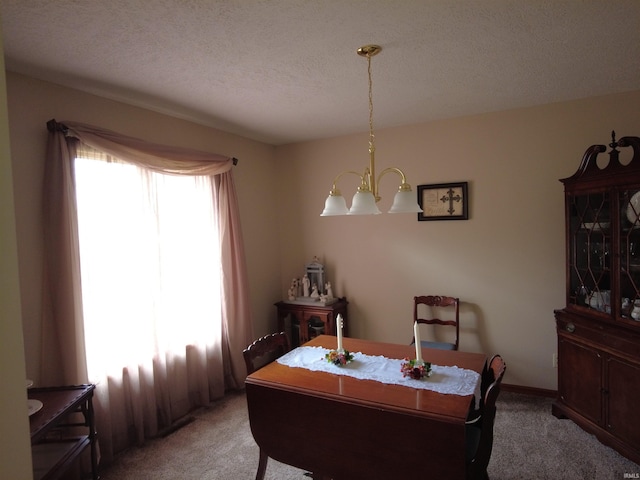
(443, 379)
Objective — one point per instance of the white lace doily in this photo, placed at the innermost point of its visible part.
(443, 379)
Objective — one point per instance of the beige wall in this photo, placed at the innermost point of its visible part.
(506, 262)
(15, 452)
(32, 103)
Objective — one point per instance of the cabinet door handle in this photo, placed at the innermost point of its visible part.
(570, 327)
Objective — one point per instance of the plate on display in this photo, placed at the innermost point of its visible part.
(633, 209)
(597, 226)
(29, 383)
(34, 406)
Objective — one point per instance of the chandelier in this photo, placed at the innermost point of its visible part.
(365, 199)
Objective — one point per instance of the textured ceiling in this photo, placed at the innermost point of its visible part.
(283, 71)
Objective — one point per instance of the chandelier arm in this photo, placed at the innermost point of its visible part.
(334, 189)
(404, 186)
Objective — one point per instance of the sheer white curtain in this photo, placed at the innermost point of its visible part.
(150, 266)
(158, 325)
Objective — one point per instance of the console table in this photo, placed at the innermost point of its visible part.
(62, 429)
(305, 317)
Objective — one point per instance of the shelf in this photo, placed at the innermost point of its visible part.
(54, 444)
(49, 458)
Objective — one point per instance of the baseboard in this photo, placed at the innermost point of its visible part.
(539, 392)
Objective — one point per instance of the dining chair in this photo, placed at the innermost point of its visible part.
(479, 434)
(261, 352)
(438, 306)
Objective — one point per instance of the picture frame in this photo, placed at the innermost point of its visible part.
(443, 201)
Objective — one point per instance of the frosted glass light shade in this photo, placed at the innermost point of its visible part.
(364, 203)
(334, 205)
(405, 202)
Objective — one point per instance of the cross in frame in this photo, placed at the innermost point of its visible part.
(450, 197)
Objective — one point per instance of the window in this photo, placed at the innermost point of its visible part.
(150, 265)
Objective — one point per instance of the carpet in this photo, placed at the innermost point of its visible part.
(529, 443)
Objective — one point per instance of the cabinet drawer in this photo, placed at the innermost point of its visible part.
(574, 329)
(619, 342)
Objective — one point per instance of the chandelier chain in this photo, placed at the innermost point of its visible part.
(371, 136)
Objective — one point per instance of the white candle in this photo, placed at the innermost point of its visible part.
(416, 337)
(339, 331)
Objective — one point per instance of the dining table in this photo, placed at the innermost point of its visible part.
(340, 423)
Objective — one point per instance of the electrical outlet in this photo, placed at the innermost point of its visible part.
(554, 360)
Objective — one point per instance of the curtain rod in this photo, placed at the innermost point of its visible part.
(54, 126)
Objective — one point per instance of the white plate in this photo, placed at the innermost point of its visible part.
(34, 406)
(29, 383)
(634, 203)
(596, 226)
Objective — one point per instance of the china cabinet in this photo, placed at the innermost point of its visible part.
(599, 328)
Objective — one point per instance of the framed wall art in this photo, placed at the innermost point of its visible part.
(443, 201)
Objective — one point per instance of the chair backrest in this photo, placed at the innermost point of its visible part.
(265, 350)
(437, 302)
(477, 468)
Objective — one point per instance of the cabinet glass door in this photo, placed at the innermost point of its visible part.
(590, 251)
(630, 254)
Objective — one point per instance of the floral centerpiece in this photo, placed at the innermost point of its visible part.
(339, 357)
(415, 369)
